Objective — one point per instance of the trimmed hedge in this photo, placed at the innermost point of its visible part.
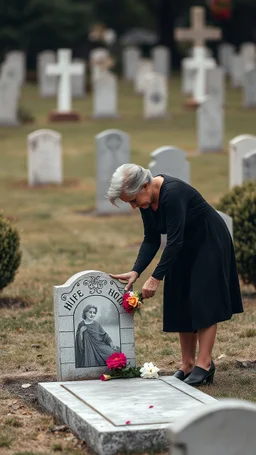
(240, 203)
(10, 254)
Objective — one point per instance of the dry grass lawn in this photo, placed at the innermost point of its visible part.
(60, 236)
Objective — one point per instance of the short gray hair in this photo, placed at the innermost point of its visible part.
(128, 179)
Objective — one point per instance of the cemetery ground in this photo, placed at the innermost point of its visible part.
(60, 235)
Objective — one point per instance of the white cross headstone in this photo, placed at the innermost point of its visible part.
(44, 157)
(64, 69)
(249, 89)
(105, 96)
(171, 161)
(155, 96)
(215, 84)
(233, 420)
(131, 58)
(112, 150)
(249, 166)
(200, 65)
(9, 98)
(161, 60)
(238, 148)
(47, 84)
(145, 67)
(210, 124)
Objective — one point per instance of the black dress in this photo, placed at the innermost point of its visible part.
(198, 263)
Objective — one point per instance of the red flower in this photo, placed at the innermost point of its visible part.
(105, 377)
(117, 360)
(127, 306)
(128, 422)
(150, 407)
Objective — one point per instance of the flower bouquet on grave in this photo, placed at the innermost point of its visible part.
(118, 369)
(132, 302)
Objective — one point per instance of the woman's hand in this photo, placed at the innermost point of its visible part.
(150, 287)
(131, 277)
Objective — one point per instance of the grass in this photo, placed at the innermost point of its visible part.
(58, 239)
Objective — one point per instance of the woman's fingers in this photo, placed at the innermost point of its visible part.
(119, 277)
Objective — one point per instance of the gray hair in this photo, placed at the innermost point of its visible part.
(128, 179)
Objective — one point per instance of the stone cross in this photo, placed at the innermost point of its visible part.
(64, 68)
(200, 65)
(198, 33)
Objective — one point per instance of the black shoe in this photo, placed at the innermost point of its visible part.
(199, 376)
(181, 375)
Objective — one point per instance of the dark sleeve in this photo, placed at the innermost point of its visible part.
(149, 246)
(175, 207)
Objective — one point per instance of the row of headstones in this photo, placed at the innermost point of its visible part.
(12, 76)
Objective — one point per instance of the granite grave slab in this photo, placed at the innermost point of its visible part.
(123, 414)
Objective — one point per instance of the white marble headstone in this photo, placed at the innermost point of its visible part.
(238, 148)
(44, 157)
(171, 161)
(17, 61)
(161, 60)
(210, 126)
(248, 53)
(47, 84)
(249, 166)
(225, 52)
(145, 67)
(131, 58)
(155, 96)
(237, 71)
(249, 89)
(105, 96)
(234, 421)
(215, 84)
(78, 81)
(9, 98)
(84, 341)
(112, 150)
(98, 57)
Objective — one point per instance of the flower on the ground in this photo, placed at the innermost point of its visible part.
(149, 371)
(105, 377)
(132, 301)
(117, 360)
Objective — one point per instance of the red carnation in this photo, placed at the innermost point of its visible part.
(116, 361)
(127, 306)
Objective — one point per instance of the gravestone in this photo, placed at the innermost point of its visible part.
(105, 96)
(123, 415)
(131, 58)
(90, 325)
(238, 148)
(44, 157)
(17, 61)
(170, 161)
(188, 77)
(249, 88)
(161, 60)
(47, 84)
(10, 72)
(210, 125)
(237, 71)
(155, 96)
(99, 62)
(228, 220)
(248, 54)
(225, 53)
(200, 65)
(112, 150)
(215, 84)
(9, 98)
(145, 68)
(64, 69)
(249, 166)
(233, 421)
(78, 81)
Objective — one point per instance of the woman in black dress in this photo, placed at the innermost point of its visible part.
(201, 286)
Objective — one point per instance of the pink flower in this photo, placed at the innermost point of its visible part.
(116, 360)
(127, 422)
(150, 407)
(105, 377)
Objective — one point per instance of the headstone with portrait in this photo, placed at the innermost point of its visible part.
(112, 150)
(90, 325)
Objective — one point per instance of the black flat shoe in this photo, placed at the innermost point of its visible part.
(199, 376)
(181, 375)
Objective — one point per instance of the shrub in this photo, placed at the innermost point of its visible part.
(10, 254)
(24, 115)
(240, 203)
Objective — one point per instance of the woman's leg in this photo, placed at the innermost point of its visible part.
(188, 342)
(206, 338)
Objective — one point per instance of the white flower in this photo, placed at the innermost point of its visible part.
(149, 371)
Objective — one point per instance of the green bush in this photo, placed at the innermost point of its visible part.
(10, 254)
(240, 203)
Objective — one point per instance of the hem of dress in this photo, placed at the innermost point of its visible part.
(195, 329)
